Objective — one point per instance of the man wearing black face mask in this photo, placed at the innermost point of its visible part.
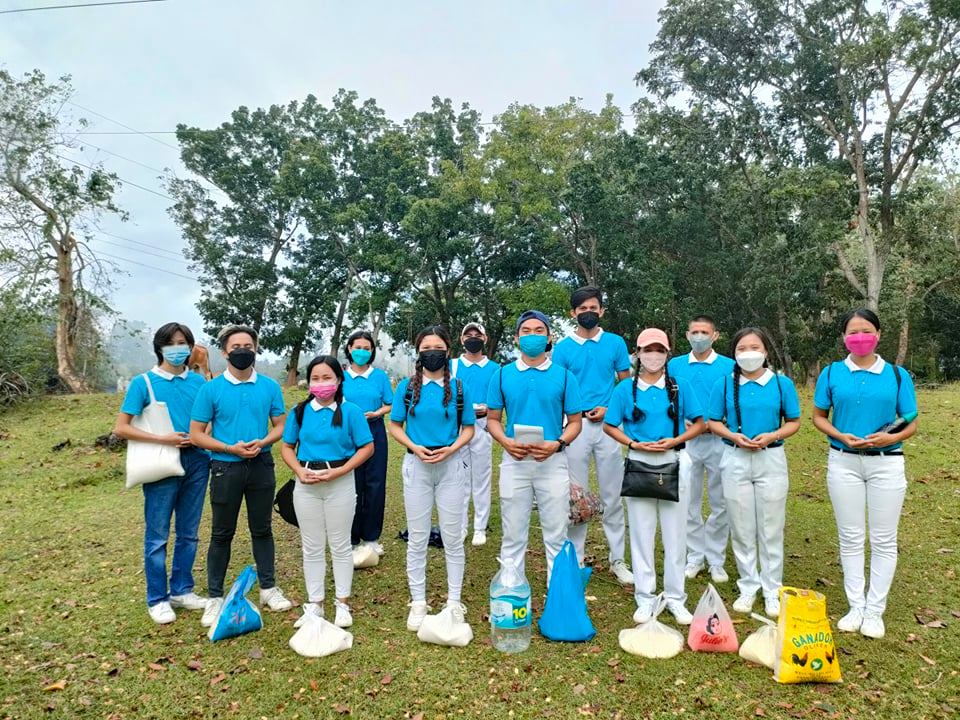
(598, 360)
(475, 369)
(246, 414)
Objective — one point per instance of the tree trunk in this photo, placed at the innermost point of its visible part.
(784, 340)
(293, 363)
(336, 338)
(903, 343)
(67, 319)
(378, 319)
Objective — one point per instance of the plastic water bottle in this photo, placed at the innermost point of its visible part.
(510, 619)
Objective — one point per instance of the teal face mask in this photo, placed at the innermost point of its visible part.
(176, 354)
(360, 356)
(533, 345)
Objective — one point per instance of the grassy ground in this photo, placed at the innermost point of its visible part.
(75, 640)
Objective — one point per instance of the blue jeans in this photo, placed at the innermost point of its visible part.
(183, 497)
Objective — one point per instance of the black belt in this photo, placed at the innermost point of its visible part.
(778, 443)
(867, 452)
(323, 464)
(428, 447)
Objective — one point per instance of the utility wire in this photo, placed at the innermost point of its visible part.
(125, 182)
(137, 242)
(79, 5)
(123, 157)
(131, 129)
(143, 252)
(152, 267)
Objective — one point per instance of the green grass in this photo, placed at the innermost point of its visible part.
(72, 609)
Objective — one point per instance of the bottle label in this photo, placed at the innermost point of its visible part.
(510, 612)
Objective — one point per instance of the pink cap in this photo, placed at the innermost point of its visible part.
(653, 336)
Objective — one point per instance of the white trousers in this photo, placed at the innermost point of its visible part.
(755, 485)
(867, 489)
(593, 442)
(706, 539)
(423, 486)
(325, 513)
(476, 463)
(520, 482)
(643, 514)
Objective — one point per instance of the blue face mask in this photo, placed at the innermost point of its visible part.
(360, 356)
(533, 345)
(176, 354)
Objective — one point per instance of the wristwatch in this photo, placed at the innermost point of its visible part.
(563, 444)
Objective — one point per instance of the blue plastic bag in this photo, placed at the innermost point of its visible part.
(565, 615)
(238, 615)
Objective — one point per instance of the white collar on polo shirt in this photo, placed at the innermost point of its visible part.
(424, 381)
(237, 381)
(169, 376)
(762, 380)
(479, 363)
(876, 368)
(582, 340)
(318, 407)
(691, 358)
(545, 365)
(643, 386)
(365, 374)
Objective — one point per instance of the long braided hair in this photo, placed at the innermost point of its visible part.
(416, 381)
(767, 345)
(669, 383)
(331, 362)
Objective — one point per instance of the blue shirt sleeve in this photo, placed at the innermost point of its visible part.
(559, 354)
(572, 404)
(136, 398)
(717, 411)
(791, 402)
(821, 396)
(907, 399)
(690, 404)
(615, 409)
(621, 360)
(291, 429)
(398, 411)
(386, 392)
(494, 398)
(276, 402)
(358, 426)
(203, 404)
(469, 417)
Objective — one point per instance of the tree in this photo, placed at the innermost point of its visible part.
(47, 204)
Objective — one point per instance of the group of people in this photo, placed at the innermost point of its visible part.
(709, 419)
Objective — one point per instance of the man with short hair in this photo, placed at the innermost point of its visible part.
(598, 360)
(246, 414)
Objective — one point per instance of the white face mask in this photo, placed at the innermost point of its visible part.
(653, 361)
(751, 360)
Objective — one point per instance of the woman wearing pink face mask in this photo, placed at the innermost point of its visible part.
(325, 439)
(867, 408)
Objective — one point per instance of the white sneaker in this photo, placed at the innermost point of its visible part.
(691, 571)
(162, 613)
(211, 612)
(274, 600)
(679, 612)
(643, 613)
(190, 601)
(479, 538)
(621, 571)
(851, 622)
(771, 606)
(872, 626)
(458, 610)
(744, 603)
(418, 611)
(718, 574)
(343, 619)
(377, 547)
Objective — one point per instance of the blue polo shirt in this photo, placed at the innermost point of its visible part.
(535, 396)
(474, 376)
(863, 401)
(177, 391)
(654, 424)
(760, 403)
(240, 411)
(595, 363)
(702, 375)
(431, 424)
(369, 390)
(319, 439)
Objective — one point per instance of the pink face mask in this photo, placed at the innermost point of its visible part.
(861, 343)
(323, 391)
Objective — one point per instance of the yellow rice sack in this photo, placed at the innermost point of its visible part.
(806, 651)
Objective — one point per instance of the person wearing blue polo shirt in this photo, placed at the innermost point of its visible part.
(170, 382)
(599, 360)
(747, 412)
(534, 392)
(325, 440)
(476, 459)
(369, 387)
(874, 409)
(701, 368)
(245, 413)
(653, 415)
(433, 419)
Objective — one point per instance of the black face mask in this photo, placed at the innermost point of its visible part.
(433, 360)
(473, 344)
(241, 358)
(588, 320)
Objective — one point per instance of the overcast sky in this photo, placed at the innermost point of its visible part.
(151, 66)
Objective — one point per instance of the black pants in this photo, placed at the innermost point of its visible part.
(371, 484)
(230, 484)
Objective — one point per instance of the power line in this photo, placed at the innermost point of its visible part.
(152, 267)
(137, 242)
(123, 157)
(79, 5)
(125, 182)
(131, 129)
(143, 252)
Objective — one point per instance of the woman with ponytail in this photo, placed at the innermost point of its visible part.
(653, 409)
(432, 417)
(324, 441)
(753, 410)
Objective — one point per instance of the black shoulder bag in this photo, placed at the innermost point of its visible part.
(661, 482)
